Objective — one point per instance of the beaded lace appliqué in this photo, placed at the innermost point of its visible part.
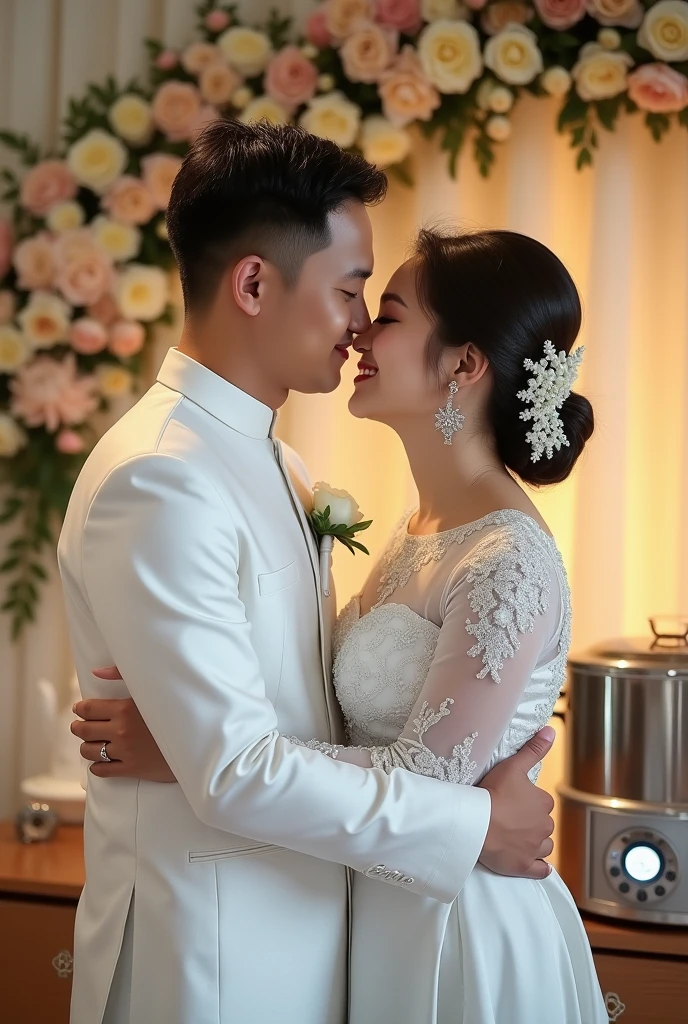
(415, 756)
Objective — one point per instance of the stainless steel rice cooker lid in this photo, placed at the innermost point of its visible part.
(663, 653)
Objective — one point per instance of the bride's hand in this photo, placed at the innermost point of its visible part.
(133, 751)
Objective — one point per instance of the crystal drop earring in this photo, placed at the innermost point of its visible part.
(448, 419)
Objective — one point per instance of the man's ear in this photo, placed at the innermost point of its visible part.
(246, 282)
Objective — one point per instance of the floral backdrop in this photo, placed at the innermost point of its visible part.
(85, 267)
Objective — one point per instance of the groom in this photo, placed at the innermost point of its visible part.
(188, 561)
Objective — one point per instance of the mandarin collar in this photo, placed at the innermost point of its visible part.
(217, 396)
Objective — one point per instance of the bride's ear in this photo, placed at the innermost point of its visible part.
(469, 365)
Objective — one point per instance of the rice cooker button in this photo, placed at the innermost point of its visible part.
(624, 887)
(660, 890)
(615, 872)
(641, 895)
(670, 876)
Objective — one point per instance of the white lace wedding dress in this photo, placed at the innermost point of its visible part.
(459, 663)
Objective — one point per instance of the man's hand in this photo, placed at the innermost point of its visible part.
(518, 837)
(130, 745)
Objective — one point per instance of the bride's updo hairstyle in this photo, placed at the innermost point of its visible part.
(507, 294)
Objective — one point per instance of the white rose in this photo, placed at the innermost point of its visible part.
(449, 52)
(97, 160)
(556, 81)
(343, 509)
(600, 74)
(264, 108)
(664, 31)
(246, 49)
(65, 216)
(141, 292)
(12, 437)
(114, 381)
(309, 51)
(382, 142)
(484, 91)
(326, 83)
(501, 100)
(45, 320)
(242, 97)
(436, 10)
(609, 39)
(132, 118)
(333, 117)
(14, 349)
(513, 55)
(498, 128)
(120, 241)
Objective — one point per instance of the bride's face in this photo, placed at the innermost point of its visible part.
(393, 380)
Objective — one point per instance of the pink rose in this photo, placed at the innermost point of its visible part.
(498, 15)
(87, 336)
(166, 60)
(560, 14)
(84, 279)
(6, 243)
(658, 89)
(105, 310)
(623, 13)
(368, 52)
(218, 83)
(316, 29)
(406, 93)
(69, 442)
(175, 108)
(475, 5)
(159, 171)
(47, 183)
(216, 20)
(46, 392)
(34, 261)
(126, 338)
(291, 78)
(205, 116)
(402, 15)
(129, 201)
(8, 305)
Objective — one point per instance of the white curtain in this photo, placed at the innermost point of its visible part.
(622, 229)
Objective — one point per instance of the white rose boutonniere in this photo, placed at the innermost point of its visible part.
(335, 516)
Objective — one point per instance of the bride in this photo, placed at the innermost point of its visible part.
(454, 654)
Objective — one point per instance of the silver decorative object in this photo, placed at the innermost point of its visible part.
(449, 420)
(35, 823)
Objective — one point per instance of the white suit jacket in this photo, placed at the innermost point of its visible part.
(187, 560)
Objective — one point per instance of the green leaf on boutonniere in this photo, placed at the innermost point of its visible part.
(322, 527)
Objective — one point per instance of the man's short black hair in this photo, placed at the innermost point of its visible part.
(259, 188)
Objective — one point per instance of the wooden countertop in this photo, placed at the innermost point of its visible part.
(53, 868)
(621, 936)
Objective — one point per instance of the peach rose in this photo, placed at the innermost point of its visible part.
(44, 320)
(68, 442)
(505, 12)
(166, 60)
(560, 14)
(199, 56)
(341, 16)
(8, 305)
(104, 310)
(217, 20)
(658, 89)
(85, 278)
(316, 29)
(126, 338)
(218, 83)
(47, 183)
(6, 243)
(475, 5)
(34, 261)
(626, 13)
(46, 392)
(159, 171)
(405, 92)
(175, 109)
(87, 336)
(368, 52)
(129, 201)
(402, 15)
(291, 78)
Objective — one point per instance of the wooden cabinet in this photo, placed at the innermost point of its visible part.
(39, 888)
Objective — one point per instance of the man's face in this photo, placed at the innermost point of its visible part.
(306, 331)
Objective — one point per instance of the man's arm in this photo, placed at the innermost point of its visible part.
(160, 569)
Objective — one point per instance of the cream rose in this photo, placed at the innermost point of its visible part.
(129, 201)
(65, 216)
(44, 320)
(120, 241)
(625, 13)
(664, 31)
(326, 83)
(12, 437)
(514, 56)
(367, 52)
(497, 16)
(501, 100)
(291, 78)
(264, 108)
(333, 117)
(159, 171)
(175, 109)
(34, 261)
(556, 81)
(132, 118)
(343, 508)
(114, 381)
(246, 49)
(658, 89)
(600, 74)
(449, 52)
(14, 349)
(498, 128)
(199, 56)
(341, 16)
(439, 10)
(86, 277)
(141, 292)
(405, 92)
(218, 83)
(609, 39)
(383, 143)
(242, 97)
(97, 160)
(46, 184)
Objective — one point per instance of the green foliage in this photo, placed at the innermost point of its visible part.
(320, 521)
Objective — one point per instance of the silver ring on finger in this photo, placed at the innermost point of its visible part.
(104, 753)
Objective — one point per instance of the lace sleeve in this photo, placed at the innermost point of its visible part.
(498, 620)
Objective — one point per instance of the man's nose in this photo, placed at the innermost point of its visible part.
(360, 321)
